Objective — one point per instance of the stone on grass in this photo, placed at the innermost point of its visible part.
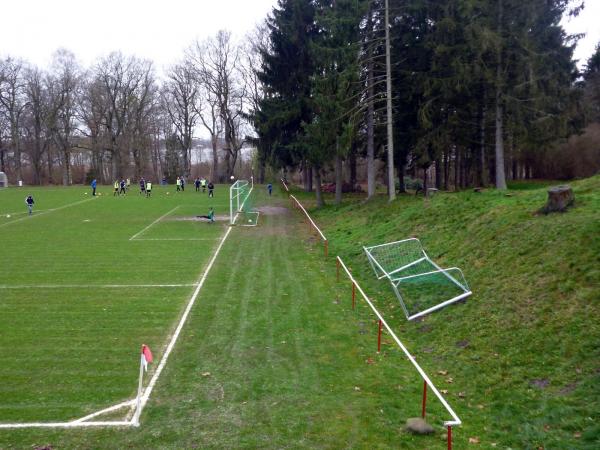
(416, 425)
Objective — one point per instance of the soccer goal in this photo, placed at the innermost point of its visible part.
(421, 285)
(241, 208)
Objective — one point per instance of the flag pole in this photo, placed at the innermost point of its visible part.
(136, 416)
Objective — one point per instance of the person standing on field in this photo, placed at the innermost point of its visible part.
(178, 183)
(270, 188)
(142, 186)
(122, 191)
(197, 184)
(203, 184)
(29, 202)
(148, 189)
(211, 189)
(94, 184)
(182, 184)
(116, 188)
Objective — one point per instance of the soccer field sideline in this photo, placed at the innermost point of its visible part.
(134, 421)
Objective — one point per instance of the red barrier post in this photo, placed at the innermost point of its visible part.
(424, 399)
(326, 248)
(353, 294)
(449, 438)
(379, 337)
(337, 264)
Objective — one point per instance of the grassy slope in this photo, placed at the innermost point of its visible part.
(525, 349)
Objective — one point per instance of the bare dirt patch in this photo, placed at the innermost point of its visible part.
(273, 210)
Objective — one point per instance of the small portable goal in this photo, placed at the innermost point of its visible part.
(420, 284)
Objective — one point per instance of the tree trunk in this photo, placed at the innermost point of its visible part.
(483, 178)
(438, 173)
(338, 179)
(456, 168)
(425, 186)
(446, 156)
(352, 163)
(67, 168)
(500, 176)
(401, 185)
(215, 165)
(319, 193)
(310, 179)
(370, 114)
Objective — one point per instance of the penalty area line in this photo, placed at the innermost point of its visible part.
(171, 345)
(85, 286)
(157, 220)
(46, 212)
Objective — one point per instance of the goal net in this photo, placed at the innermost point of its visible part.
(241, 204)
(420, 284)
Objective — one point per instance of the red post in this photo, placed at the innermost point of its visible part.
(424, 399)
(449, 437)
(353, 294)
(326, 248)
(379, 337)
(337, 264)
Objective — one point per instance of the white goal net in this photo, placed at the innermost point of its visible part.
(241, 208)
(420, 284)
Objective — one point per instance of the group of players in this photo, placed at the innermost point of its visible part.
(122, 186)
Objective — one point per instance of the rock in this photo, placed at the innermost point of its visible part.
(559, 199)
(417, 425)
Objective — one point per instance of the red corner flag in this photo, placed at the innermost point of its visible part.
(146, 356)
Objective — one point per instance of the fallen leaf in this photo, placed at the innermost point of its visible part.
(450, 380)
(546, 427)
(356, 388)
(577, 434)
(442, 372)
(206, 374)
(474, 440)
(461, 395)
(370, 361)
(444, 391)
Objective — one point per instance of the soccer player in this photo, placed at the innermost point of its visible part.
(94, 184)
(128, 183)
(182, 184)
(210, 216)
(29, 202)
(142, 186)
(178, 183)
(211, 189)
(148, 188)
(122, 191)
(197, 184)
(203, 184)
(116, 188)
(270, 188)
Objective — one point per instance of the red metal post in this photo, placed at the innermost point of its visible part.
(449, 438)
(337, 266)
(424, 399)
(353, 294)
(326, 248)
(379, 337)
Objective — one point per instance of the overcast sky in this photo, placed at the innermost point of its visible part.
(158, 29)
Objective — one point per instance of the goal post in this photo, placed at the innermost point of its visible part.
(420, 284)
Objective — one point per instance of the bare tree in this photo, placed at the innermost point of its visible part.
(12, 105)
(36, 120)
(216, 61)
(181, 101)
(63, 84)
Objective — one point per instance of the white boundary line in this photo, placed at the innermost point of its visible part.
(176, 239)
(146, 395)
(163, 361)
(47, 211)
(157, 220)
(101, 286)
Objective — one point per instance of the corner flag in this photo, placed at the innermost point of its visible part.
(146, 356)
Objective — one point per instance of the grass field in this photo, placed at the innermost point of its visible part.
(272, 355)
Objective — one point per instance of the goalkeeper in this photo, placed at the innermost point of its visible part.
(210, 216)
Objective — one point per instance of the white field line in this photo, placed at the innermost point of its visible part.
(456, 420)
(105, 410)
(47, 211)
(175, 239)
(85, 286)
(165, 357)
(20, 213)
(157, 220)
(116, 423)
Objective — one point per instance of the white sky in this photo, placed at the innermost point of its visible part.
(159, 30)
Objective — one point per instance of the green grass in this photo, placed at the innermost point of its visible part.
(272, 354)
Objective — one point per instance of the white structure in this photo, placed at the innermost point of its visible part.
(419, 283)
(3, 180)
(239, 193)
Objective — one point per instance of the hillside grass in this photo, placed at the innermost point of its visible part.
(523, 353)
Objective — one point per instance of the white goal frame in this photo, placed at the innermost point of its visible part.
(396, 276)
(237, 200)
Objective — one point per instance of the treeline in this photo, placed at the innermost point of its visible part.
(481, 92)
(117, 118)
